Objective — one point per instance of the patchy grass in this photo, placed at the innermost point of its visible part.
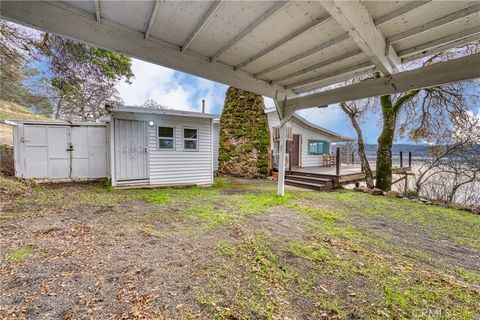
(236, 251)
(20, 253)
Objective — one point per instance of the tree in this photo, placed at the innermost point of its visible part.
(244, 135)
(451, 173)
(83, 77)
(152, 104)
(355, 110)
(20, 83)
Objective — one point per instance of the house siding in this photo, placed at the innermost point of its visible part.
(178, 166)
(306, 134)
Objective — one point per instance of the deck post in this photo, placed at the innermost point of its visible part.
(401, 159)
(410, 159)
(281, 160)
(337, 164)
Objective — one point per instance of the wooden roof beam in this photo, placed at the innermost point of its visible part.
(98, 10)
(77, 24)
(435, 23)
(400, 11)
(313, 24)
(464, 68)
(203, 22)
(302, 55)
(319, 65)
(264, 17)
(440, 42)
(349, 71)
(151, 19)
(354, 18)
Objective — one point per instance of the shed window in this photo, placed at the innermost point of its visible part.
(190, 139)
(316, 147)
(166, 138)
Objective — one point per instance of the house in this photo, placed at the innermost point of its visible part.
(309, 142)
(136, 147)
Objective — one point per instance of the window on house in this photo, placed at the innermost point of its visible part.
(316, 147)
(166, 138)
(190, 139)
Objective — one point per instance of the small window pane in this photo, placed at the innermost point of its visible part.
(165, 143)
(315, 147)
(165, 132)
(190, 144)
(190, 133)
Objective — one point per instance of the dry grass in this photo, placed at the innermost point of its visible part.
(233, 251)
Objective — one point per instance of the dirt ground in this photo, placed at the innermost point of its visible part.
(233, 251)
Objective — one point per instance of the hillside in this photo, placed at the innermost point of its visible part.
(10, 110)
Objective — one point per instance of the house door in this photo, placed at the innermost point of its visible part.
(131, 150)
(294, 148)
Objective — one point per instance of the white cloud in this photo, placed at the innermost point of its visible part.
(169, 88)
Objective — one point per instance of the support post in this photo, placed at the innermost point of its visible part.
(281, 159)
(401, 159)
(353, 158)
(410, 159)
(405, 189)
(337, 160)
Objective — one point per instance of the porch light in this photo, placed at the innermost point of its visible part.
(151, 123)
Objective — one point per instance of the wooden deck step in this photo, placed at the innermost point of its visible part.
(308, 185)
(311, 179)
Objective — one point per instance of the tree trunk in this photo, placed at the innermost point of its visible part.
(362, 155)
(385, 141)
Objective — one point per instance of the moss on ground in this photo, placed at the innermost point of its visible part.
(345, 263)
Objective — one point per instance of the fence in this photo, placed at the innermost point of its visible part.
(7, 166)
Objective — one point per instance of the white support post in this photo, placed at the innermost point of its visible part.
(284, 117)
(281, 159)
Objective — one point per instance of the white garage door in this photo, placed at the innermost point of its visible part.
(64, 152)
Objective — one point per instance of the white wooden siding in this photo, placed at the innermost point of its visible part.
(216, 144)
(306, 134)
(178, 166)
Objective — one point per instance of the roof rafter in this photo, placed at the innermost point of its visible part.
(464, 68)
(439, 42)
(354, 18)
(199, 27)
(98, 10)
(312, 25)
(458, 43)
(302, 55)
(435, 23)
(151, 19)
(265, 16)
(346, 71)
(342, 57)
(336, 77)
(400, 11)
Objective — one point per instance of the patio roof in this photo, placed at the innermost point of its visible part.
(279, 49)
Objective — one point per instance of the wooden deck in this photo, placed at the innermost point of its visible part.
(323, 178)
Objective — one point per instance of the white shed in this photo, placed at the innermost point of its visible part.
(161, 147)
(60, 150)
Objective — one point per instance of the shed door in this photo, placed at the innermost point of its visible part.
(46, 154)
(89, 154)
(131, 147)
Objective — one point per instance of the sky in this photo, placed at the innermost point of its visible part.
(182, 91)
